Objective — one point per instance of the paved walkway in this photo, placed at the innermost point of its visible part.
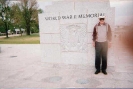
(21, 67)
(10, 35)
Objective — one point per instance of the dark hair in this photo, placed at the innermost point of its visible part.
(101, 19)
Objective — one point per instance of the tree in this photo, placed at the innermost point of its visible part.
(5, 14)
(40, 11)
(17, 17)
(29, 13)
(2, 27)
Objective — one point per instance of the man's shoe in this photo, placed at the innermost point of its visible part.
(104, 72)
(97, 71)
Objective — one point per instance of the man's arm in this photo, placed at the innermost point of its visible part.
(109, 34)
(94, 35)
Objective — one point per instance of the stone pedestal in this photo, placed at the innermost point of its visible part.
(66, 31)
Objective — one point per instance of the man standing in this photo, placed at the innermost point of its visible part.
(101, 41)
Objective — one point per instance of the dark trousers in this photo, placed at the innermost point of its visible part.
(101, 49)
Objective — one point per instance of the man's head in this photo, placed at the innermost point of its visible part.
(102, 19)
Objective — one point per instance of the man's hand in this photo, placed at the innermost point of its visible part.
(109, 44)
(93, 44)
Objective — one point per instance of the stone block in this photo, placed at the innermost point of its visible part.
(74, 58)
(50, 38)
(60, 6)
(49, 26)
(91, 55)
(90, 37)
(92, 4)
(51, 53)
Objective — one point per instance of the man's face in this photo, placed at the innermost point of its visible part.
(101, 20)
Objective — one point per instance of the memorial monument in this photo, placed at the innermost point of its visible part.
(66, 31)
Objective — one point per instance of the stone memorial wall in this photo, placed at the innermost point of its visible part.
(66, 31)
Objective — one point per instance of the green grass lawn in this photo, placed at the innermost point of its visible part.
(32, 39)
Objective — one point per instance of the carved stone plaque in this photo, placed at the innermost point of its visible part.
(74, 37)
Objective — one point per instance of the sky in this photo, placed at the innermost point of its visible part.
(123, 10)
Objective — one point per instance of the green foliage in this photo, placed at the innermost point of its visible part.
(2, 27)
(22, 15)
(29, 13)
(17, 17)
(40, 11)
(5, 15)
